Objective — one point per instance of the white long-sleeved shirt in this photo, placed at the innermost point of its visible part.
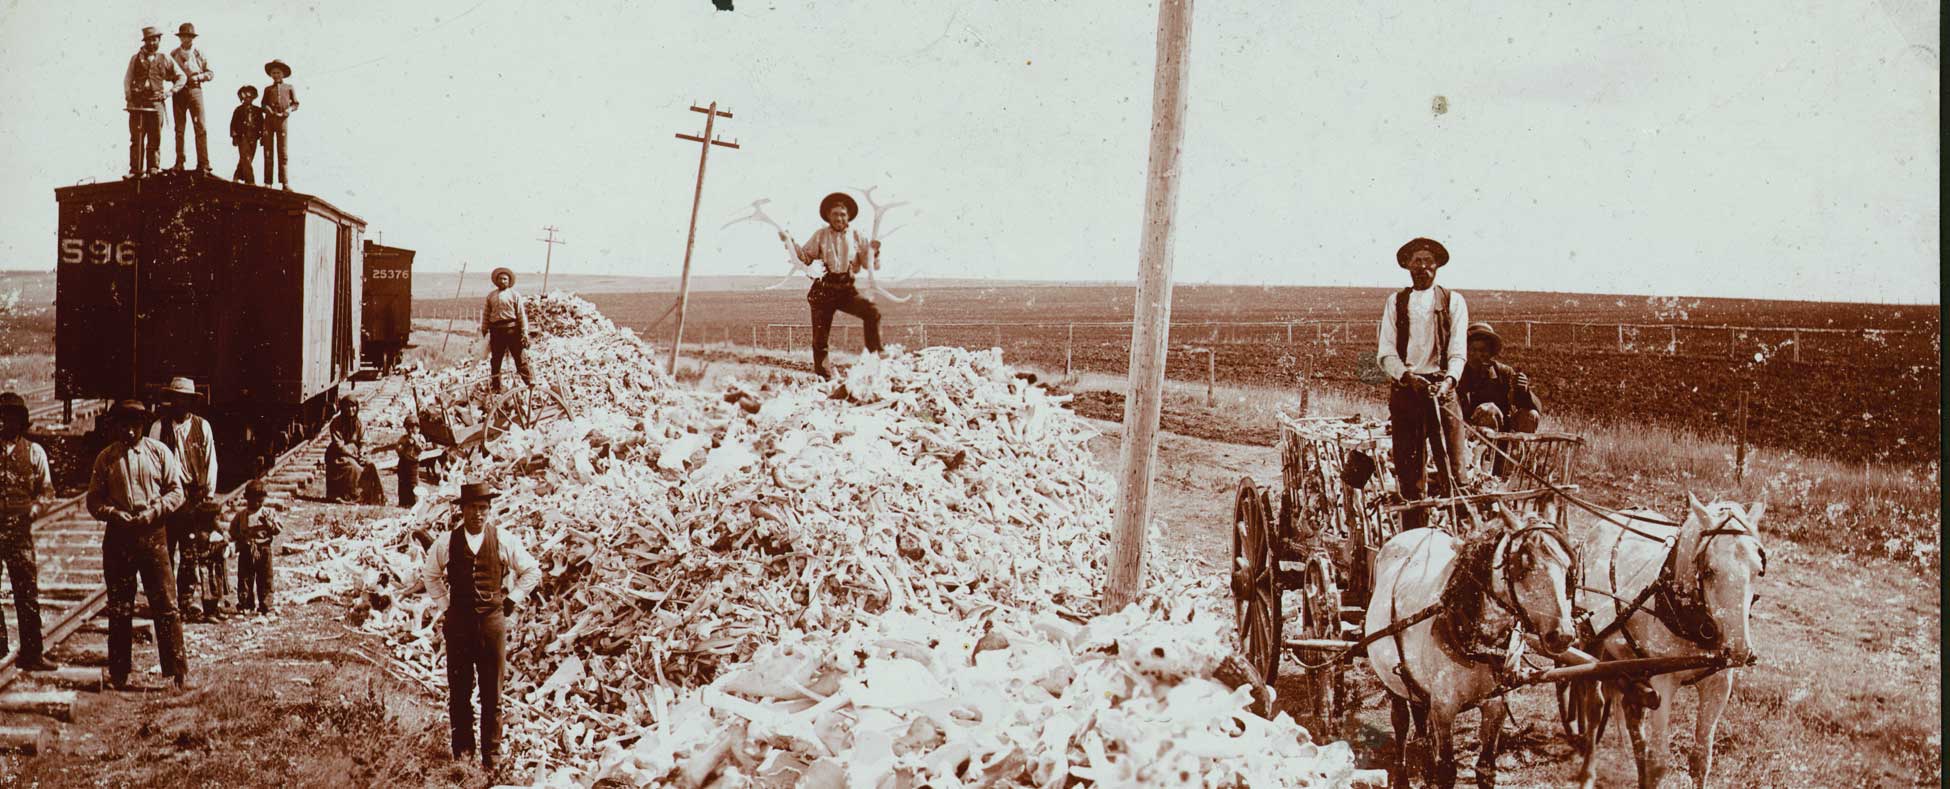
(135, 473)
(521, 573)
(196, 449)
(504, 304)
(842, 255)
(1421, 337)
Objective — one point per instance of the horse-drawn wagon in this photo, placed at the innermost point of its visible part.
(1310, 559)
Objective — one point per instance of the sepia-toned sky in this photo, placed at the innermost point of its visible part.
(1664, 148)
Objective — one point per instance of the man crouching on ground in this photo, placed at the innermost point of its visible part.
(477, 577)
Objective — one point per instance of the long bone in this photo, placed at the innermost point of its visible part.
(791, 250)
(873, 256)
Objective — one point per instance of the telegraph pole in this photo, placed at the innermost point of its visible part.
(1151, 318)
(548, 261)
(711, 114)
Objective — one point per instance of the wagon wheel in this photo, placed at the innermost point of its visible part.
(1320, 618)
(1255, 582)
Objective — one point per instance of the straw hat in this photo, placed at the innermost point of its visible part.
(1414, 245)
(839, 198)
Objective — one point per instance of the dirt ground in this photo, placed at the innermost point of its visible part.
(1847, 693)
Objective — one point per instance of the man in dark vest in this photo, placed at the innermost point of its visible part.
(477, 576)
(1422, 350)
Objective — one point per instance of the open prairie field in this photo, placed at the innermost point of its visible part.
(1868, 388)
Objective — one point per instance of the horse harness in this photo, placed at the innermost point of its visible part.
(1680, 611)
(1470, 580)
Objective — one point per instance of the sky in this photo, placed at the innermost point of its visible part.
(1743, 149)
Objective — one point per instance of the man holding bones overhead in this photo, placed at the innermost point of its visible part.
(843, 254)
(1422, 348)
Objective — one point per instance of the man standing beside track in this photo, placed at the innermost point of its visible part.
(504, 321)
(1422, 349)
(134, 486)
(24, 484)
(195, 446)
(478, 576)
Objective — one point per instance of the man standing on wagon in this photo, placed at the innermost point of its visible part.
(844, 254)
(1422, 348)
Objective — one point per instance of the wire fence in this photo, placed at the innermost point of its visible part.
(1798, 344)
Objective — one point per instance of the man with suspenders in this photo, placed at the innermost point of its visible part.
(1423, 346)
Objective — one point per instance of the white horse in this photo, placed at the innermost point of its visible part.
(1515, 576)
(1679, 592)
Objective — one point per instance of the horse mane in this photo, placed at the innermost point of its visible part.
(1463, 596)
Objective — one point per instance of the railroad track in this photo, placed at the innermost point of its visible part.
(73, 593)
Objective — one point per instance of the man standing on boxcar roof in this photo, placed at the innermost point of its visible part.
(504, 320)
(150, 78)
(24, 484)
(189, 99)
(1422, 348)
(190, 438)
(134, 486)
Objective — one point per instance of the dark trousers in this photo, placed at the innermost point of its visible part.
(130, 553)
(253, 577)
(213, 580)
(276, 165)
(829, 296)
(17, 558)
(190, 102)
(145, 140)
(185, 521)
(246, 159)
(476, 656)
(507, 341)
(409, 475)
(1418, 433)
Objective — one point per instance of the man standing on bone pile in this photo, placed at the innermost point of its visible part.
(843, 254)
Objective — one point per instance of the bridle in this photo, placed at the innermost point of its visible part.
(1502, 553)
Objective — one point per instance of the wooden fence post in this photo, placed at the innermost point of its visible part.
(995, 330)
(788, 339)
(1526, 334)
(1730, 342)
(1672, 341)
(1211, 376)
(1740, 450)
(1069, 351)
(1289, 332)
(1621, 337)
(1796, 342)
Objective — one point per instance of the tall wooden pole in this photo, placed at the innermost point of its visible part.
(1151, 315)
(711, 114)
(548, 261)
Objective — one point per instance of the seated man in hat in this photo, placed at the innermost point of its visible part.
(195, 446)
(844, 254)
(345, 459)
(24, 485)
(1495, 395)
(134, 486)
(1421, 348)
(478, 575)
(504, 321)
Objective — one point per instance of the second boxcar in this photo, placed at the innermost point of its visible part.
(388, 294)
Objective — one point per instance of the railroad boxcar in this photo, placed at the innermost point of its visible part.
(253, 292)
(388, 295)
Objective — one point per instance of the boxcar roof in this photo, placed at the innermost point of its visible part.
(193, 184)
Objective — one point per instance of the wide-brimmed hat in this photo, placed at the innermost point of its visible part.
(12, 404)
(496, 274)
(1482, 329)
(179, 387)
(842, 198)
(277, 64)
(1417, 244)
(126, 410)
(186, 29)
(476, 491)
(150, 32)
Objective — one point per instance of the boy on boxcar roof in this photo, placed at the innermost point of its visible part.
(246, 123)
